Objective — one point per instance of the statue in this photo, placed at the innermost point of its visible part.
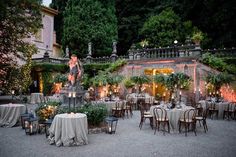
(75, 71)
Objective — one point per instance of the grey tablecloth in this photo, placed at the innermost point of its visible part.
(135, 97)
(221, 106)
(173, 115)
(36, 98)
(10, 114)
(69, 130)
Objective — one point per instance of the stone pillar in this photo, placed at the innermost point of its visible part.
(114, 56)
(89, 56)
(131, 52)
(46, 55)
(196, 52)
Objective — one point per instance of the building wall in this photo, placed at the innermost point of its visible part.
(45, 39)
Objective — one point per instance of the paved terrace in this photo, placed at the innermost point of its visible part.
(129, 141)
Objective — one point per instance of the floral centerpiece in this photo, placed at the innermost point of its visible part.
(47, 110)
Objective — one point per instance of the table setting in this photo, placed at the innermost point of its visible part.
(174, 112)
(10, 114)
(69, 129)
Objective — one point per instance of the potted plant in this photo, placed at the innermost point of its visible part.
(173, 82)
(129, 84)
(215, 82)
(140, 80)
(197, 37)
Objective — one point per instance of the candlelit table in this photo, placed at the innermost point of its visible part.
(36, 98)
(10, 114)
(173, 114)
(69, 130)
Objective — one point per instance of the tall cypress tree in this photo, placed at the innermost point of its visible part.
(90, 21)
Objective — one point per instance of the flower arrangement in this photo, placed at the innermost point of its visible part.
(47, 110)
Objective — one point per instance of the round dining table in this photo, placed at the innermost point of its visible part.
(221, 106)
(69, 129)
(172, 114)
(10, 114)
(36, 98)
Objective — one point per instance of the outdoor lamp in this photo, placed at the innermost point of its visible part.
(23, 117)
(47, 125)
(31, 126)
(111, 124)
(175, 42)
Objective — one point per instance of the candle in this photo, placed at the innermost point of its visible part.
(31, 128)
(180, 93)
(69, 94)
(109, 129)
(26, 124)
(74, 94)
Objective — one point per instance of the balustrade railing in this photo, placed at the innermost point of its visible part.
(225, 52)
(149, 53)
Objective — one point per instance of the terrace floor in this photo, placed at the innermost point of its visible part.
(129, 141)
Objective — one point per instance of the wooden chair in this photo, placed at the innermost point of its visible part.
(144, 113)
(212, 109)
(118, 110)
(160, 116)
(201, 117)
(128, 108)
(230, 111)
(187, 120)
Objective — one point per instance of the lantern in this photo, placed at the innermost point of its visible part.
(31, 126)
(23, 117)
(111, 123)
(47, 125)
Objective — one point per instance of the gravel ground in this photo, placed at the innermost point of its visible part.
(129, 141)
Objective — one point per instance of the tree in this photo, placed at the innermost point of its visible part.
(19, 19)
(59, 5)
(90, 21)
(217, 81)
(173, 82)
(163, 29)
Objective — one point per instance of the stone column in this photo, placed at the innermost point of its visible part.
(89, 55)
(114, 56)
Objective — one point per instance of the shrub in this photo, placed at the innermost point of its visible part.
(95, 113)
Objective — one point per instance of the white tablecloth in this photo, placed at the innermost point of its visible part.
(10, 114)
(136, 97)
(36, 98)
(221, 106)
(173, 115)
(69, 130)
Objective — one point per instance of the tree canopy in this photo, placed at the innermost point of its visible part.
(214, 18)
(163, 29)
(19, 19)
(90, 21)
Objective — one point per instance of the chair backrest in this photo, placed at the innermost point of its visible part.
(160, 113)
(189, 114)
(231, 106)
(211, 105)
(199, 109)
(119, 105)
(142, 106)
